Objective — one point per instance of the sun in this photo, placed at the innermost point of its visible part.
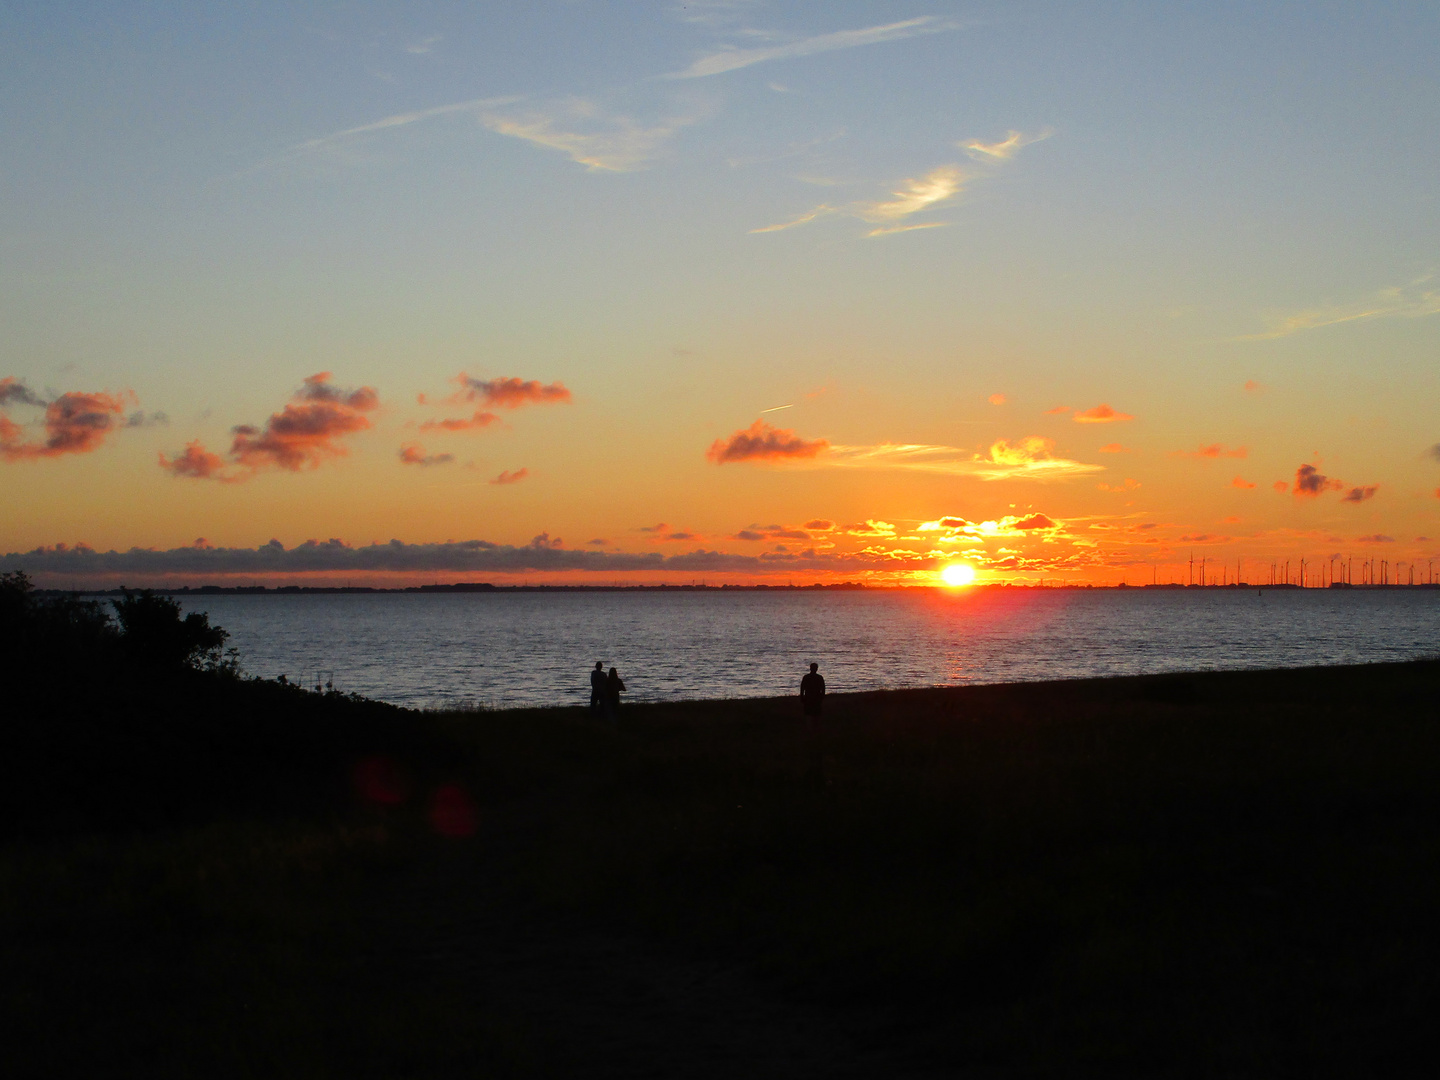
(958, 573)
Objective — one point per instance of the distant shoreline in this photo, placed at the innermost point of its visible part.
(847, 586)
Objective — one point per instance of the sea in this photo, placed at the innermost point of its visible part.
(510, 649)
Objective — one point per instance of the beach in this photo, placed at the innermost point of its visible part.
(1198, 873)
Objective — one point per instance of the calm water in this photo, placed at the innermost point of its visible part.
(537, 648)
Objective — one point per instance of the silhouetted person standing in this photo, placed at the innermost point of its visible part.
(613, 686)
(597, 689)
(812, 693)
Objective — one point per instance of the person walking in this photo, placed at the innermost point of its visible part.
(812, 693)
(597, 689)
(613, 686)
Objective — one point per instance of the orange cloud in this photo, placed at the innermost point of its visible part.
(1032, 522)
(304, 433)
(772, 532)
(997, 399)
(1253, 387)
(761, 442)
(1101, 414)
(1114, 448)
(661, 532)
(1243, 484)
(481, 419)
(870, 527)
(1360, 494)
(1010, 525)
(12, 390)
(1214, 450)
(1310, 482)
(300, 436)
(511, 393)
(75, 423)
(414, 454)
(508, 477)
(1057, 410)
(197, 463)
(1028, 451)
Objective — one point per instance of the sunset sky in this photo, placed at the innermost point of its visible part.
(728, 291)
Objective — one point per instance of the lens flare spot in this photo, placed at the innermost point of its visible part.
(451, 812)
(958, 574)
(380, 780)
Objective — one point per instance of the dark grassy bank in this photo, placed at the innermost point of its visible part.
(1230, 874)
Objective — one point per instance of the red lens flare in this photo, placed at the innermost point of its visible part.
(451, 812)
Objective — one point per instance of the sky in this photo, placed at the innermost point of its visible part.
(723, 291)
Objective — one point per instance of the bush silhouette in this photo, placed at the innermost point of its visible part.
(56, 631)
(59, 633)
(153, 632)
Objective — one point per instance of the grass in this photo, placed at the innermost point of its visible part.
(1221, 873)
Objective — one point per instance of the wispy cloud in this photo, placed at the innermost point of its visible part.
(1214, 450)
(803, 219)
(475, 106)
(732, 59)
(1006, 148)
(580, 129)
(893, 229)
(935, 188)
(1413, 300)
(477, 422)
(577, 127)
(1032, 457)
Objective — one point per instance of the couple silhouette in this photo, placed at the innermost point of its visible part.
(605, 692)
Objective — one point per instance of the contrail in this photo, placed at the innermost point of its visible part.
(777, 408)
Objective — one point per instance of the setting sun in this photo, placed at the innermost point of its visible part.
(958, 574)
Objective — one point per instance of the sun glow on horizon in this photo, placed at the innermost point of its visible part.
(958, 574)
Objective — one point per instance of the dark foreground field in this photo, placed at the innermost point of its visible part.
(1207, 875)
